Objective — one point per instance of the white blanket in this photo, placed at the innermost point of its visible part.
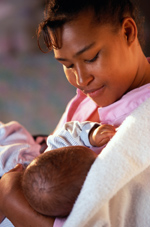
(16, 146)
(117, 189)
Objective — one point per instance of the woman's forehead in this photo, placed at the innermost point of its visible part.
(78, 38)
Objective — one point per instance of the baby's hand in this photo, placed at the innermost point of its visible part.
(101, 135)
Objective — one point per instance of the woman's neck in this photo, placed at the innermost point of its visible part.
(144, 71)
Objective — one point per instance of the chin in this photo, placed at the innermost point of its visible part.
(103, 103)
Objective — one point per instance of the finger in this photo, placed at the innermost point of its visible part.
(106, 134)
(102, 139)
(107, 127)
(17, 168)
(103, 142)
(105, 130)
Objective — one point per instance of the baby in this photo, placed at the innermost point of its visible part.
(52, 181)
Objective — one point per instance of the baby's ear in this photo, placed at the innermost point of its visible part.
(129, 30)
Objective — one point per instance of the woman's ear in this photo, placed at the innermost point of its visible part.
(129, 29)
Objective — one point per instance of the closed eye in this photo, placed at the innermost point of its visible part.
(70, 66)
(93, 59)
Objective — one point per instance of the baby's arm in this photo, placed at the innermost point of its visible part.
(100, 135)
(73, 133)
(81, 133)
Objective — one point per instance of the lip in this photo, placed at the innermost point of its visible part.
(94, 92)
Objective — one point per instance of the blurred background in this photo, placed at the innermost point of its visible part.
(33, 88)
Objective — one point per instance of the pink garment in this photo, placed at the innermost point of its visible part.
(78, 109)
(82, 107)
(113, 114)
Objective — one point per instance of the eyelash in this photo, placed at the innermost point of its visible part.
(70, 66)
(93, 59)
(88, 61)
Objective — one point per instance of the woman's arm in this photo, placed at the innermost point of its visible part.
(13, 204)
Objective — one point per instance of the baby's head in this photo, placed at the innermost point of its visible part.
(52, 181)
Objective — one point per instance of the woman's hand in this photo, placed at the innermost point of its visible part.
(14, 205)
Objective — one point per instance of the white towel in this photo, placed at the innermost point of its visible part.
(116, 192)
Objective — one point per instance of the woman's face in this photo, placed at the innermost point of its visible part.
(96, 59)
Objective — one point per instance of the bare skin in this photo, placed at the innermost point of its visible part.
(1, 217)
(101, 135)
(102, 63)
(13, 193)
(12, 199)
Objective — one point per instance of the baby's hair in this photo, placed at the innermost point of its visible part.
(59, 12)
(52, 182)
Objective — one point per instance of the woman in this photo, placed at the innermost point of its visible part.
(98, 44)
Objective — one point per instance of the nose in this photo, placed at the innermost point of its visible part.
(83, 77)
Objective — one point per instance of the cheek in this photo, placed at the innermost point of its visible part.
(70, 77)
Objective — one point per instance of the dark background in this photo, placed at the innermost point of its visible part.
(33, 88)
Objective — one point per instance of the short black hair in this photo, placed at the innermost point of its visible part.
(59, 12)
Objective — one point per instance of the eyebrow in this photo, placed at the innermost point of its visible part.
(79, 52)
